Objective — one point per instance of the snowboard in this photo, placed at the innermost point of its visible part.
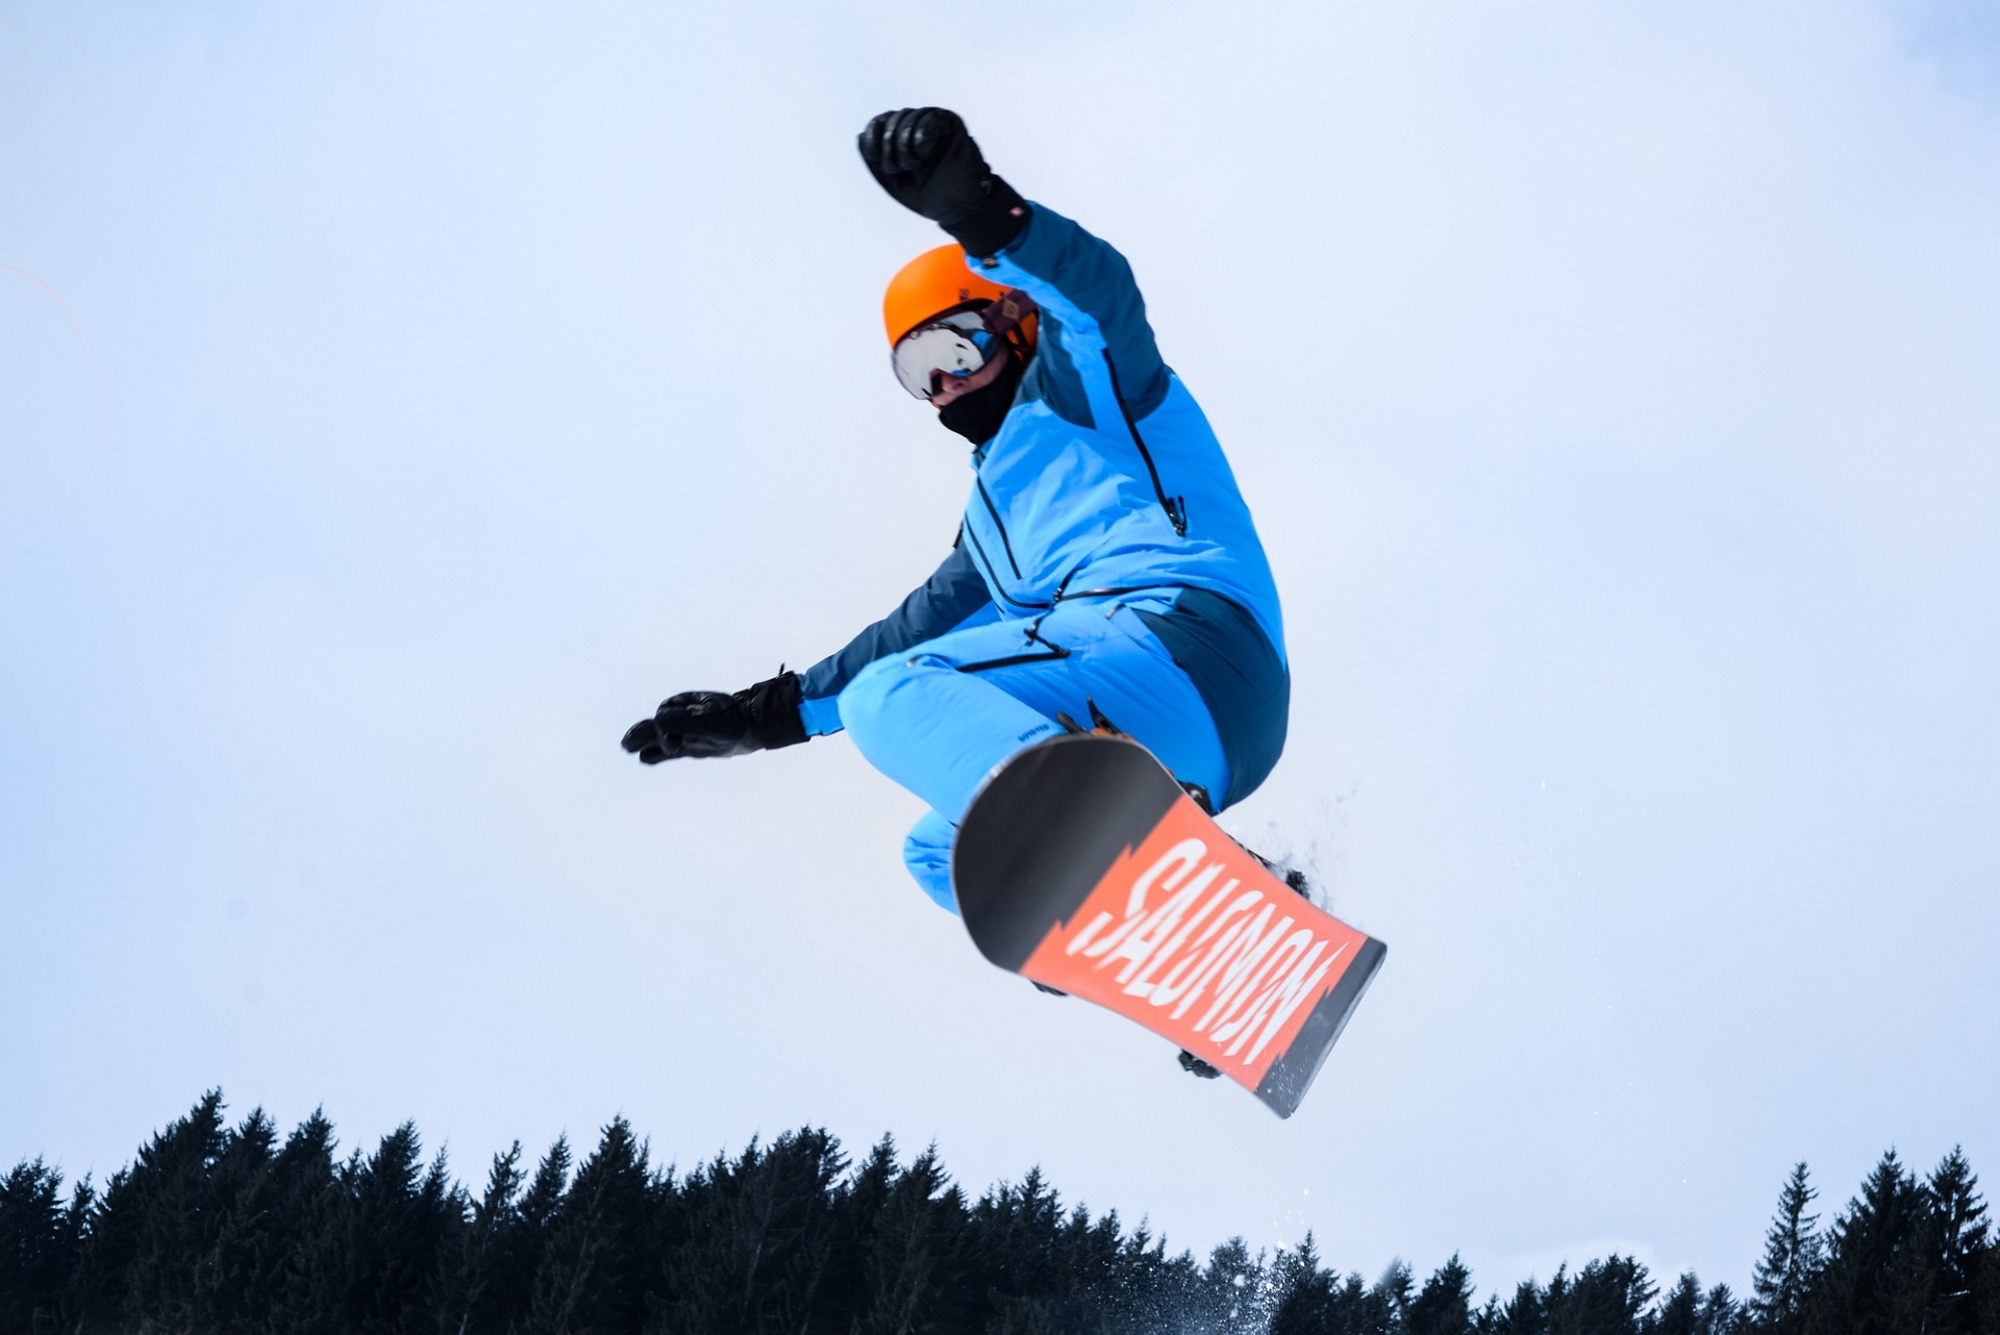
(1083, 866)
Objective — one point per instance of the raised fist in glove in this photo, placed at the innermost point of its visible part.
(925, 159)
(706, 724)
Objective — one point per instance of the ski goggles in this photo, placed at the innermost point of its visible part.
(952, 346)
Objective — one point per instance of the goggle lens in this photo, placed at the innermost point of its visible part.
(954, 347)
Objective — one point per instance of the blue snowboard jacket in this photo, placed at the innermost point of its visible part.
(1104, 480)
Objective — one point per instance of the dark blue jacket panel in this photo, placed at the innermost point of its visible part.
(1241, 679)
(1053, 381)
(1093, 277)
(953, 595)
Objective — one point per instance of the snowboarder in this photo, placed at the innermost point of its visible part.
(1106, 566)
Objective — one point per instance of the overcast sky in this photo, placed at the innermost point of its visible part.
(1617, 388)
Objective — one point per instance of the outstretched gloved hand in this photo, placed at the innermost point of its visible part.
(929, 164)
(705, 724)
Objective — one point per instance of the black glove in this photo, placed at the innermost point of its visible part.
(709, 723)
(925, 159)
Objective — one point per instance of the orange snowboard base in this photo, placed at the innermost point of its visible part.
(1083, 866)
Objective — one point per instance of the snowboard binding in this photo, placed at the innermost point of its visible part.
(1196, 1067)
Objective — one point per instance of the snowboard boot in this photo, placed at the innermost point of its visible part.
(1291, 876)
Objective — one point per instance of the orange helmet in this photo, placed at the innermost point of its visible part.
(931, 284)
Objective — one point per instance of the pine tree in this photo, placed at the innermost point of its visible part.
(1606, 1298)
(597, 1268)
(1789, 1270)
(1686, 1310)
(545, 1192)
(1147, 1289)
(1355, 1308)
(1095, 1259)
(1986, 1292)
(1304, 1292)
(467, 1287)
(377, 1251)
(1680, 1309)
(857, 1207)
(913, 1258)
(1017, 1276)
(39, 1241)
(1444, 1306)
(1386, 1304)
(757, 1235)
(411, 1215)
(1228, 1293)
(304, 1197)
(520, 1236)
(1393, 1288)
(1526, 1313)
(144, 1237)
(1721, 1314)
(233, 1277)
(1954, 1245)
(1873, 1276)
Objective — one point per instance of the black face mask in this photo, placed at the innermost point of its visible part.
(977, 416)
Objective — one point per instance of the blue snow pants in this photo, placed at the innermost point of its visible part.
(940, 717)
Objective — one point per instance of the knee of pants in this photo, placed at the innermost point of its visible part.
(869, 705)
(927, 853)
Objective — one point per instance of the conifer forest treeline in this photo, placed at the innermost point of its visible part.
(221, 1228)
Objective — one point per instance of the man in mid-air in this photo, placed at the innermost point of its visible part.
(1106, 567)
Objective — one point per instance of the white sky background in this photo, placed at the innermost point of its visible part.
(1615, 386)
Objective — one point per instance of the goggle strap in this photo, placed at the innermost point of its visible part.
(1004, 316)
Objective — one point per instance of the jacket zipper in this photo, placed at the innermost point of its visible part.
(984, 495)
(979, 551)
(1177, 507)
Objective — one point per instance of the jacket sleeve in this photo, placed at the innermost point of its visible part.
(1084, 284)
(952, 597)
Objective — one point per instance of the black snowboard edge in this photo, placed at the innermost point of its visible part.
(1285, 1084)
(1044, 830)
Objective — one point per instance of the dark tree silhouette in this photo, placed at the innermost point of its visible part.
(473, 1284)
(1606, 1298)
(752, 1251)
(1444, 1305)
(1873, 1279)
(1686, 1310)
(1954, 1248)
(594, 1272)
(226, 1229)
(39, 1243)
(913, 1254)
(1789, 1269)
(1524, 1314)
(1303, 1292)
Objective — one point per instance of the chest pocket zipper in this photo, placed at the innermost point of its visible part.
(998, 524)
(979, 551)
(1176, 507)
(1046, 654)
